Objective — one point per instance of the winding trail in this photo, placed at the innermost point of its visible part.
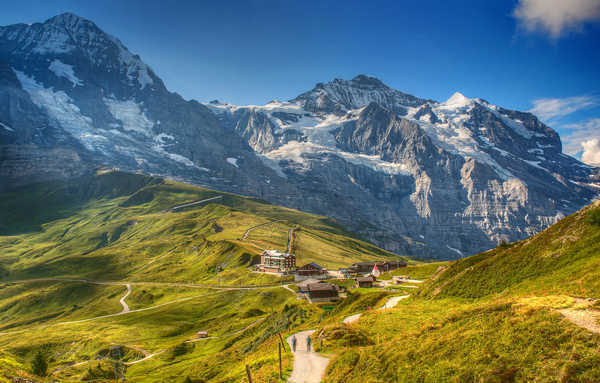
(122, 300)
(309, 366)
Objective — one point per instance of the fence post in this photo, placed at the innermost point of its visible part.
(248, 373)
(280, 371)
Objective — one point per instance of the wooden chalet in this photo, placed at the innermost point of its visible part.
(383, 266)
(322, 292)
(310, 269)
(365, 281)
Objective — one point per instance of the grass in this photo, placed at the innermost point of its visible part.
(113, 227)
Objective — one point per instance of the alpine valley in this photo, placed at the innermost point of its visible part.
(415, 176)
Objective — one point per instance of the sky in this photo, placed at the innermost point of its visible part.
(531, 55)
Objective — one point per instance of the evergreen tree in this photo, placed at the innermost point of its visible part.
(39, 365)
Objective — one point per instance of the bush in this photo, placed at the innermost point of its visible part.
(593, 217)
(39, 364)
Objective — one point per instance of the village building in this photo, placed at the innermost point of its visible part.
(311, 269)
(202, 334)
(303, 286)
(382, 266)
(322, 292)
(276, 262)
(367, 281)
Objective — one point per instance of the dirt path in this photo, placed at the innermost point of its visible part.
(392, 302)
(122, 300)
(585, 317)
(290, 243)
(192, 204)
(309, 367)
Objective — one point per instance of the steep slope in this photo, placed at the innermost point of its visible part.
(563, 259)
(453, 178)
(523, 312)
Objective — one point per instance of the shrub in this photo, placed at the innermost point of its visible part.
(593, 217)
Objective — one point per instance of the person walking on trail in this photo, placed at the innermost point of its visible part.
(308, 343)
(294, 341)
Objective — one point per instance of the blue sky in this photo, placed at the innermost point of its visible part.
(520, 54)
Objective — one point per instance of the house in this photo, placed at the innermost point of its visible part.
(311, 269)
(303, 286)
(365, 281)
(322, 292)
(382, 266)
(202, 334)
(276, 262)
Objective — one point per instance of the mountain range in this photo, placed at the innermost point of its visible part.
(415, 176)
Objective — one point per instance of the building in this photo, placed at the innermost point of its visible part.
(275, 262)
(202, 334)
(303, 286)
(365, 281)
(322, 292)
(311, 269)
(383, 266)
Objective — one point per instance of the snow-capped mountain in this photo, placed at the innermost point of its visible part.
(459, 176)
(85, 92)
(413, 175)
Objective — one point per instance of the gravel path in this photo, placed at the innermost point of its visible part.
(392, 302)
(588, 319)
(309, 366)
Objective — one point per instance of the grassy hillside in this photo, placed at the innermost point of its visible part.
(68, 251)
(564, 259)
(501, 316)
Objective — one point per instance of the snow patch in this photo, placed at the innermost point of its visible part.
(62, 110)
(455, 250)
(61, 69)
(130, 115)
(7, 127)
(232, 161)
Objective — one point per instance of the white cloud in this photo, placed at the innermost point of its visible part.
(583, 138)
(591, 152)
(549, 108)
(556, 16)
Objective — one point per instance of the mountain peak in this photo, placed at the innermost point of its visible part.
(364, 79)
(458, 100)
(69, 21)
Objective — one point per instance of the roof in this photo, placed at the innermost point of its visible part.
(321, 287)
(277, 254)
(313, 265)
(308, 281)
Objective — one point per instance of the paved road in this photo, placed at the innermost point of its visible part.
(309, 367)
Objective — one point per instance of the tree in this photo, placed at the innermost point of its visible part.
(39, 365)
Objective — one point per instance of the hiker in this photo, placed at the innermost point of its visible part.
(294, 343)
(308, 343)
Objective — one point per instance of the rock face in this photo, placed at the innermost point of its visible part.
(415, 176)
